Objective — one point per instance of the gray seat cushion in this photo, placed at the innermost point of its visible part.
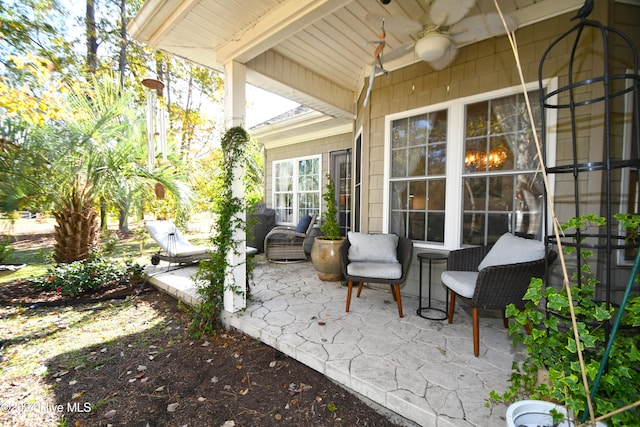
(462, 283)
(375, 270)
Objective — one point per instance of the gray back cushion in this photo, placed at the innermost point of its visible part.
(373, 247)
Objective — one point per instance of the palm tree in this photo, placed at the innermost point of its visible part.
(93, 154)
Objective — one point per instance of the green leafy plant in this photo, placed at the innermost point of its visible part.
(88, 276)
(226, 209)
(551, 348)
(140, 235)
(109, 242)
(329, 228)
(5, 250)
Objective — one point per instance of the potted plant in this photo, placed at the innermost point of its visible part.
(325, 254)
(551, 372)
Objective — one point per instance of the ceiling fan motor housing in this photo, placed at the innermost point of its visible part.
(432, 46)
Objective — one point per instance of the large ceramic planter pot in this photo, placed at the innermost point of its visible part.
(325, 257)
(527, 413)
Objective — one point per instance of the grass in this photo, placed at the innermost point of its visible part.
(44, 345)
(38, 256)
(49, 333)
(49, 342)
(36, 263)
(64, 332)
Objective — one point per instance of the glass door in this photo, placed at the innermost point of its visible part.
(340, 170)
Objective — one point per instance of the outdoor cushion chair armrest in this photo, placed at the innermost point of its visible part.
(501, 285)
(287, 232)
(405, 253)
(283, 227)
(467, 259)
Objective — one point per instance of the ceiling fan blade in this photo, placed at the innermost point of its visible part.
(448, 12)
(398, 52)
(395, 24)
(481, 27)
(440, 64)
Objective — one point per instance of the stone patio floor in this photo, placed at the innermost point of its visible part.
(422, 370)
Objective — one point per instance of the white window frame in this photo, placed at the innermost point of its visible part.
(627, 135)
(296, 192)
(455, 155)
(356, 223)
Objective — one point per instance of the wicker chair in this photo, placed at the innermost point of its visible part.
(286, 244)
(404, 254)
(495, 286)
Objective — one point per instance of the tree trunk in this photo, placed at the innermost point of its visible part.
(123, 208)
(122, 61)
(92, 37)
(77, 235)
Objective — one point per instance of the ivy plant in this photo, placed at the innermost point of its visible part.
(551, 348)
(227, 207)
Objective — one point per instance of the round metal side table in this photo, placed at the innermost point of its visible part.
(440, 314)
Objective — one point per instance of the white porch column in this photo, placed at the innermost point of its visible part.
(235, 111)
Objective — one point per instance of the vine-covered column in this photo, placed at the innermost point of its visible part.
(222, 278)
(233, 146)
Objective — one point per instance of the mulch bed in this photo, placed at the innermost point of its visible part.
(227, 380)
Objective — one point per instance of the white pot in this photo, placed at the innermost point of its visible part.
(536, 413)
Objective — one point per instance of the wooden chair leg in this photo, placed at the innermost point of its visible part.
(476, 331)
(505, 322)
(349, 288)
(360, 286)
(452, 306)
(395, 290)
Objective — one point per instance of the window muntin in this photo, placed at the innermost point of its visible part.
(296, 189)
(418, 184)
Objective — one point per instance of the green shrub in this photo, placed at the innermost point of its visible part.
(88, 276)
(109, 242)
(5, 250)
(330, 229)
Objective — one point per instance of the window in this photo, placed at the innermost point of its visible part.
(296, 189)
(418, 181)
(466, 171)
(502, 189)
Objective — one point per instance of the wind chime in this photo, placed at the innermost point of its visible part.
(155, 128)
(155, 122)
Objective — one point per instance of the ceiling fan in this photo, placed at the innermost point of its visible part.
(438, 33)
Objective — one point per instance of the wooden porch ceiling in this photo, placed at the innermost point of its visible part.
(309, 51)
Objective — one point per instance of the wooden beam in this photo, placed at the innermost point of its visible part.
(281, 22)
